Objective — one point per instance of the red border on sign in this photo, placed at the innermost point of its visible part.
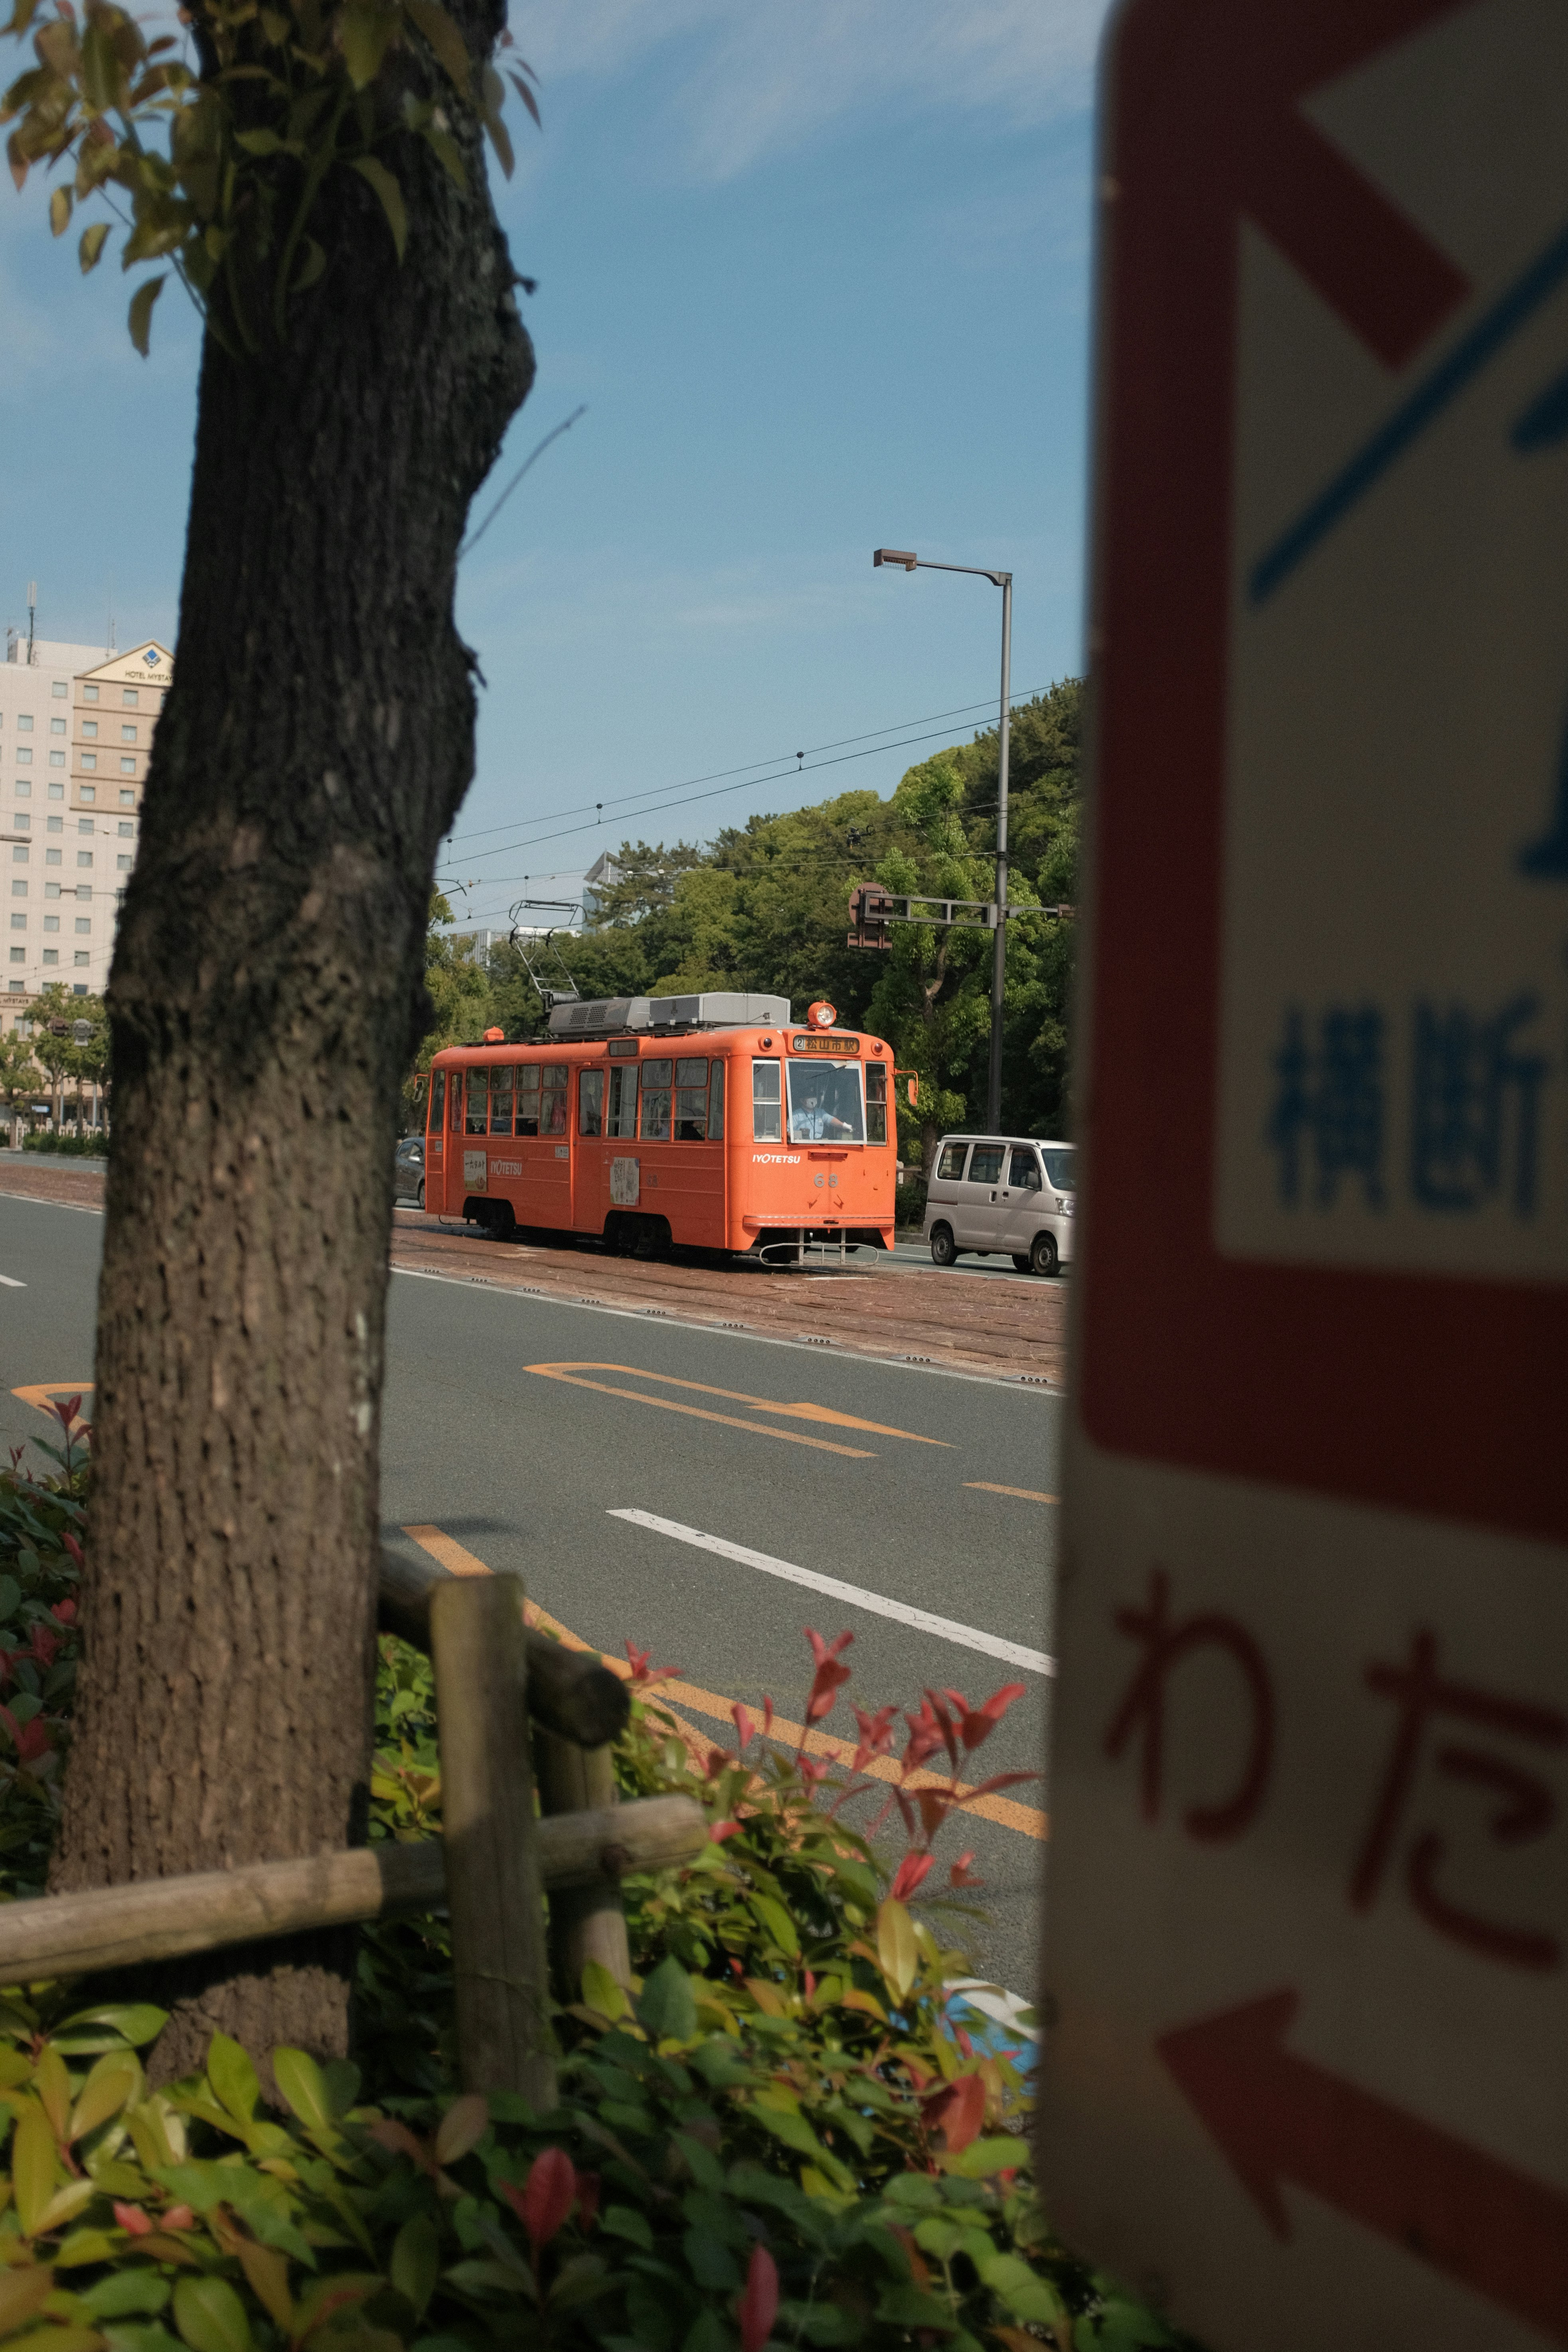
(1424, 1392)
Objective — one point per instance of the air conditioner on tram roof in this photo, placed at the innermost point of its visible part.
(610, 1017)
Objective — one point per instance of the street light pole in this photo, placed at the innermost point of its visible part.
(1003, 579)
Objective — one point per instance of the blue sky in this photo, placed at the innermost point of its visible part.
(820, 273)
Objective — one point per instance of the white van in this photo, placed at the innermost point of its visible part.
(990, 1193)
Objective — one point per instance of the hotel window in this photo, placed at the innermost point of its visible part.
(56, 792)
(89, 730)
(83, 859)
(83, 925)
(20, 984)
(21, 854)
(18, 889)
(25, 722)
(56, 759)
(126, 831)
(127, 799)
(18, 955)
(128, 698)
(89, 795)
(24, 789)
(54, 823)
(51, 955)
(23, 757)
(82, 955)
(128, 767)
(23, 823)
(84, 825)
(53, 857)
(89, 694)
(56, 727)
(18, 922)
(59, 689)
(90, 760)
(84, 889)
(122, 866)
(128, 734)
(51, 922)
(51, 889)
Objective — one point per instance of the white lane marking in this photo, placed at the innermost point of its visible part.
(11, 1282)
(967, 1637)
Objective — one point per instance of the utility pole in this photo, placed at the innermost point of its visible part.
(1003, 579)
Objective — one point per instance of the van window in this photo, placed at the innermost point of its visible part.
(950, 1167)
(553, 1099)
(1060, 1163)
(986, 1163)
(502, 1088)
(438, 1101)
(825, 1103)
(477, 1101)
(716, 1104)
(767, 1103)
(623, 1119)
(656, 1090)
(528, 1099)
(591, 1102)
(691, 1101)
(1024, 1170)
(875, 1102)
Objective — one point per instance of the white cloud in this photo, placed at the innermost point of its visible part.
(767, 78)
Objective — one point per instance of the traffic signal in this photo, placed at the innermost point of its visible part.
(869, 910)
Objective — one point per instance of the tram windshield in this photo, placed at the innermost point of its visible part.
(825, 1103)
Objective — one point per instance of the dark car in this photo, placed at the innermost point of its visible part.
(408, 1171)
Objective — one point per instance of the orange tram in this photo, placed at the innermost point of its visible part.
(714, 1121)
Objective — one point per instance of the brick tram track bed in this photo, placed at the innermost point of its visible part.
(1011, 1329)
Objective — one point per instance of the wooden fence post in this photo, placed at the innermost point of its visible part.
(494, 1894)
(587, 1922)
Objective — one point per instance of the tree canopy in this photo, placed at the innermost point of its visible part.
(764, 906)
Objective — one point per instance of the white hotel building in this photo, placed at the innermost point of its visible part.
(74, 730)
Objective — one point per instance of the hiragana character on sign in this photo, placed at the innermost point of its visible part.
(1165, 1646)
(1527, 1810)
(1329, 1104)
(1475, 1107)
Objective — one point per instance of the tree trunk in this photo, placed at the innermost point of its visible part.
(266, 999)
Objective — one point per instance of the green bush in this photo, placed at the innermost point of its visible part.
(85, 1146)
(910, 1203)
(777, 2139)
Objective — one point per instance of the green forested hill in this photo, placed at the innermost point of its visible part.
(765, 906)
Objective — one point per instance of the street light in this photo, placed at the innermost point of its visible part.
(1003, 579)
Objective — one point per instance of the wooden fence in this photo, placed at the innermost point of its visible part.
(514, 1710)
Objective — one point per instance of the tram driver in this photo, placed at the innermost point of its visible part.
(811, 1121)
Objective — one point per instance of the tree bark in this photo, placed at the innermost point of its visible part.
(266, 997)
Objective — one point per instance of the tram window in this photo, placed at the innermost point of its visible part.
(455, 1103)
(716, 1104)
(591, 1103)
(623, 1119)
(528, 1099)
(767, 1107)
(875, 1102)
(479, 1101)
(437, 1100)
(553, 1099)
(655, 1076)
(825, 1103)
(502, 1085)
(691, 1101)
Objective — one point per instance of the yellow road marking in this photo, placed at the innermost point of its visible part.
(1026, 1819)
(1025, 1494)
(823, 1413)
(41, 1393)
(697, 1412)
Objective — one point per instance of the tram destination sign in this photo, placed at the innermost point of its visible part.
(840, 1045)
(1306, 2073)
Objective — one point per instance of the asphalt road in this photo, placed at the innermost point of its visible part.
(521, 1427)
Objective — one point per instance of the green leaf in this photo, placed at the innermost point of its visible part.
(446, 147)
(1023, 2289)
(145, 2335)
(10, 1598)
(365, 34)
(710, 2261)
(667, 2006)
(60, 211)
(312, 267)
(33, 2169)
(114, 2083)
(299, 2079)
(122, 2293)
(341, 2079)
(896, 1949)
(211, 2316)
(137, 2022)
(604, 1992)
(984, 2157)
(445, 39)
(265, 142)
(626, 2221)
(778, 1923)
(378, 177)
(417, 2261)
(232, 2077)
(93, 244)
(141, 319)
